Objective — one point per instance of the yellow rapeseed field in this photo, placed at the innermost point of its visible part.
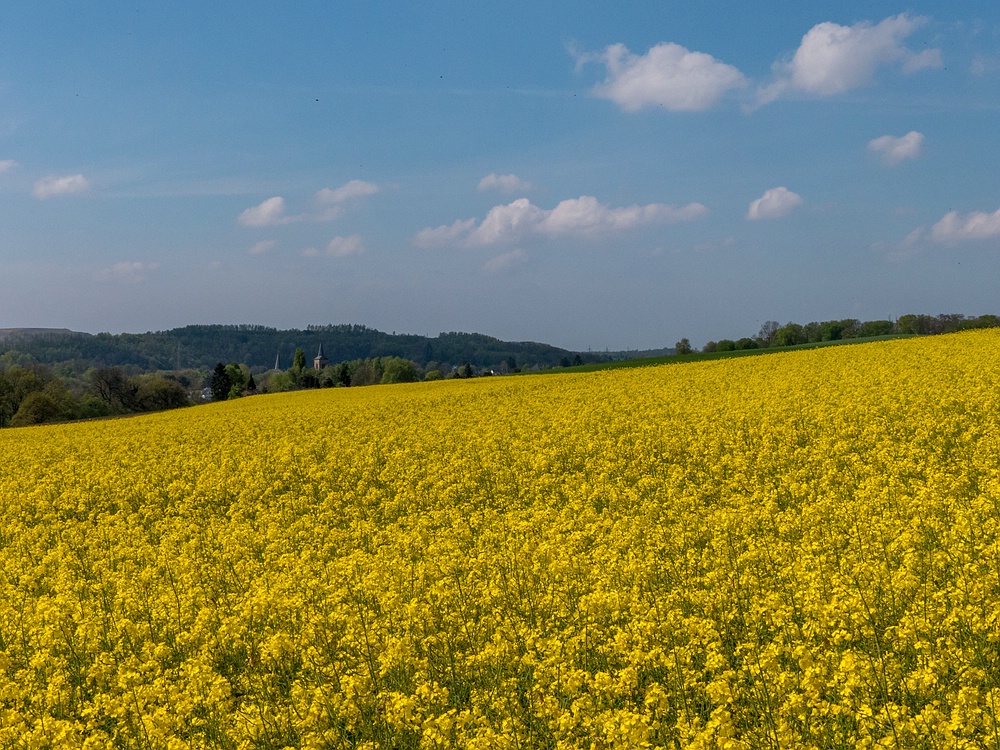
(796, 550)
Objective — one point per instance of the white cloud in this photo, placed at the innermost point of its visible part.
(269, 213)
(951, 229)
(975, 226)
(893, 150)
(508, 223)
(261, 247)
(444, 234)
(505, 183)
(668, 75)
(272, 211)
(126, 272)
(331, 201)
(341, 247)
(832, 59)
(583, 216)
(6, 165)
(774, 204)
(505, 261)
(50, 187)
(352, 189)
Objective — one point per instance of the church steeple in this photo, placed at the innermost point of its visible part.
(320, 361)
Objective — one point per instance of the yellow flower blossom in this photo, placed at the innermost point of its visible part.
(796, 550)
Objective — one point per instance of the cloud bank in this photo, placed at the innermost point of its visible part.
(583, 216)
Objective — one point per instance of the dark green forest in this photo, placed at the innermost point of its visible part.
(199, 347)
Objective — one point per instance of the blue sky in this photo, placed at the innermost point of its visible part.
(590, 175)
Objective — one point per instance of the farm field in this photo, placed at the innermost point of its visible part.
(792, 551)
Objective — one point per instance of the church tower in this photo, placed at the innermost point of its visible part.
(320, 361)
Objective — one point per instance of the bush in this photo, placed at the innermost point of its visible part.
(36, 408)
(156, 394)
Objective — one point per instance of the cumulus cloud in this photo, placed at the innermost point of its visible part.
(893, 150)
(261, 247)
(51, 187)
(668, 76)
(341, 247)
(505, 261)
(505, 183)
(330, 201)
(583, 216)
(832, 59)
(444, 234)
(6, 165)
(126, 272)
(508, 223)
(269, 213)
(774, 204)
(954, 227)
(352, 189)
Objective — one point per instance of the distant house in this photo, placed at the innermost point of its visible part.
(320, 361)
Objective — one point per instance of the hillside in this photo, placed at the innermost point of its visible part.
(24, 333)
(799, 550)
(202, 346)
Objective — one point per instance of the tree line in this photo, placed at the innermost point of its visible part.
(773, 334)
(200, 347)
(33, 393)
(235, 380)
